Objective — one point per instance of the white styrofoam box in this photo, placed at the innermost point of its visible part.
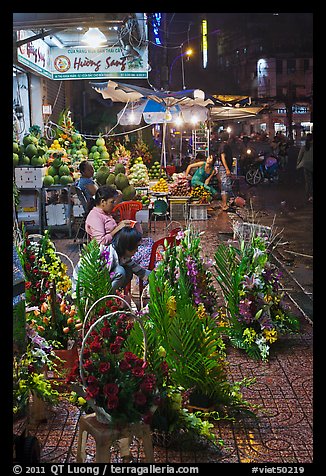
(142, 215)
(56, 214)
(142, 190)
(198, 212)
(32, 218)
(29, 177)
(78, 210)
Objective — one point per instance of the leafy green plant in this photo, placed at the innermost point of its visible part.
(184, 341)
(93, 278)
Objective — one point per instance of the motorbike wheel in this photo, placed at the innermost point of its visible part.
(275, 177)
(253, 176)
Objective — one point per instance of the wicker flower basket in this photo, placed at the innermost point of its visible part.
(101, 415)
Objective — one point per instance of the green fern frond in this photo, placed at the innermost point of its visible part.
(93, 280)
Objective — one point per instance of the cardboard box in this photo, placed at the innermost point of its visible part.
(29, 177)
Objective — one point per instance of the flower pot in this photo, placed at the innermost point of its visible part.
(69, 359)
(199, 402)
(37, 410)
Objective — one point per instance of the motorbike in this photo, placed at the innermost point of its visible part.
(261, 168)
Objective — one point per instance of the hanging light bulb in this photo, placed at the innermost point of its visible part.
(168, 115)
(94, 38)
(132, 117)
(178, 121)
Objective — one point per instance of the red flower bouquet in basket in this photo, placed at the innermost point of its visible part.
(117, 383)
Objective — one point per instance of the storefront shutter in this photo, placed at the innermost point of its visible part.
(56, 97)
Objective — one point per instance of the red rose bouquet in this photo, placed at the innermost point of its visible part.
(116, 380)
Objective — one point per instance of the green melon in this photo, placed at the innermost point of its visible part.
(94, 149)
(31, 150)
(15, 159)
(41, 151)
(128, 193)
(105, 155)
(102, 174)
(15, 147)
(56, 179)
(119, 168)
(64, 170)
(121, 181)
(25, 160)
(48, 180)
(111, 179)
(28, 140)
(53, 171)
(57, 162)
(37, 161)
(65, 179)
(100, 141)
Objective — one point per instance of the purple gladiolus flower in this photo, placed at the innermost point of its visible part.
(245, 310)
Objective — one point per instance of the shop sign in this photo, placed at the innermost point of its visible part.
(81, 63)
(35, 55)
(90, 63)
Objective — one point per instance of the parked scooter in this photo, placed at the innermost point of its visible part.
(262, 167)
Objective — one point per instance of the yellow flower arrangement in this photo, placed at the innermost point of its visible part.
(270, 335)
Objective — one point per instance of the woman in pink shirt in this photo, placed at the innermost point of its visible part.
(100, 224)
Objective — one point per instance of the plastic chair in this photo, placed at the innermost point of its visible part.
(160, 210)
(84, 203)
(164, 242)
(127, 210)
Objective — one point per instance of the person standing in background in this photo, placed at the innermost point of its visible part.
(305, 161)
(225, 169)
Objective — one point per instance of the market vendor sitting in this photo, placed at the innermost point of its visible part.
(203, 175)
(119, 254)
(86, 181)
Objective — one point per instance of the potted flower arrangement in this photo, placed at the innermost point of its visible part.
(113, 380)
(184, 343)
(49, 304)
(256, 311)
(48, 291)
(29, 382)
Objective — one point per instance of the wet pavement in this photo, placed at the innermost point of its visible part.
(283, 431)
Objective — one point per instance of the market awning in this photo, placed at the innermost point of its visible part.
(218, 113)
(120, 92)
(232, 100)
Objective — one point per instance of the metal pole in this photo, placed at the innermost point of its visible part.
(182, 70)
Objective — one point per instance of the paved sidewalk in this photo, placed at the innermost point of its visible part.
(282, 433)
